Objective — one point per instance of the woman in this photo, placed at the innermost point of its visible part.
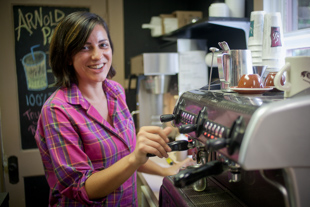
(85, 133)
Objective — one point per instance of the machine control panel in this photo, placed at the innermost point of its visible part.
(197, 123)
(214, 130)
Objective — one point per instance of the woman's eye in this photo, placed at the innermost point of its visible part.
(85, 48)
(104, 45)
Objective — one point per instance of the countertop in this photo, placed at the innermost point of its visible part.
(154, 182)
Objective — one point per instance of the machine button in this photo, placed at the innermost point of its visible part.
(221, 132)
(213, 128)
(217, 130)
(210, 127)
(206, 125)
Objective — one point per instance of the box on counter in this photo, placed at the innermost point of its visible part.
(164, 63)
(169, 23)
(186, 17)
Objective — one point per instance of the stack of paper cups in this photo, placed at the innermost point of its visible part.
(273, 54)
(255, 42)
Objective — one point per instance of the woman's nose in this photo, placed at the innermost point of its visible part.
(97, 53)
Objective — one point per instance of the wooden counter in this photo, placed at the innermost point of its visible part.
(149, 185)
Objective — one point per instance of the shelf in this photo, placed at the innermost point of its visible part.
(234, 31)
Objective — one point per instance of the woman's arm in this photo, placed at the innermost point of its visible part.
(149, 140)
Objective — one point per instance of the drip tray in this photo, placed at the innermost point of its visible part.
(213, 195)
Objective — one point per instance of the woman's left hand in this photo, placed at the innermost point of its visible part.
(175, 168)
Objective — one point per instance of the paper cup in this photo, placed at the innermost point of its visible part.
(256, 32)
(255, 47)
(273, 43)
(274, 63)
(218, 10)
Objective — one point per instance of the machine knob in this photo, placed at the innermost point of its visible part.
(184, 129)
(167, 117)
(236, 135)
(216, 144)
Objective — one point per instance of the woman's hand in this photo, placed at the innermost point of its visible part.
(153, 140)
(175, 168)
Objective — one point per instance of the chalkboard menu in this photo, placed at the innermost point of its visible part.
(33, 28)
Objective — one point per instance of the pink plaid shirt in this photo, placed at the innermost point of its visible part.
(75, 142)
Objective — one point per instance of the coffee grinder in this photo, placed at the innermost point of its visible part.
(156, 86)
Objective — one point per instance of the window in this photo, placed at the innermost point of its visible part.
(296, 24)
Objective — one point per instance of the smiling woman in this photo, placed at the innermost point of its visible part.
(93, 62)
(66, 44)
(85, 134)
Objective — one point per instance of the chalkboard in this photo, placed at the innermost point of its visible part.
(33, 29)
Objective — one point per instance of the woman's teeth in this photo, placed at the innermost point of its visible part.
(96, 66)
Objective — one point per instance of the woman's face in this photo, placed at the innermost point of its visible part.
(93, 62)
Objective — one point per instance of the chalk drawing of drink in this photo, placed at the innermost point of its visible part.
(35, 69)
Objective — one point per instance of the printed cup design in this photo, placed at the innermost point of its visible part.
(306, 76)
(275, 37)
(35, 70)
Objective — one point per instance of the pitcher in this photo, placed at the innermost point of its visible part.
(232, 65)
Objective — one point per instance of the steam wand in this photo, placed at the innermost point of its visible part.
(212, 49)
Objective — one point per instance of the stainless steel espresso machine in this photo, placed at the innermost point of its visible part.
(253, 149)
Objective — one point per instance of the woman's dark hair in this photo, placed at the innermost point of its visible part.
(68, 39)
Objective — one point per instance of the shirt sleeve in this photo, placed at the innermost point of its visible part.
(66, 164)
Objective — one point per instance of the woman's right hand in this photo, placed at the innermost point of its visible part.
(153, 140)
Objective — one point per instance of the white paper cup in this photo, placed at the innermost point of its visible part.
(274, 63)
(236, 8)
(257, 60)
(257, 54)
(255, 47)
(256, 32)
(257, 63)
(273, 42)
(181, 155)
(218, 10)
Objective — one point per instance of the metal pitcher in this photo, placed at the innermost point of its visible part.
(232, 64)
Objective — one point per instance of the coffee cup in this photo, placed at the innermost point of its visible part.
(297, 75)
(269, 80)
(250, 81)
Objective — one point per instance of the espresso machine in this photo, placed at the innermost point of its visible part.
(252, 149)
(156, 80)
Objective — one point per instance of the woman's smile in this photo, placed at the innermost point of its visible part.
(100, 66)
